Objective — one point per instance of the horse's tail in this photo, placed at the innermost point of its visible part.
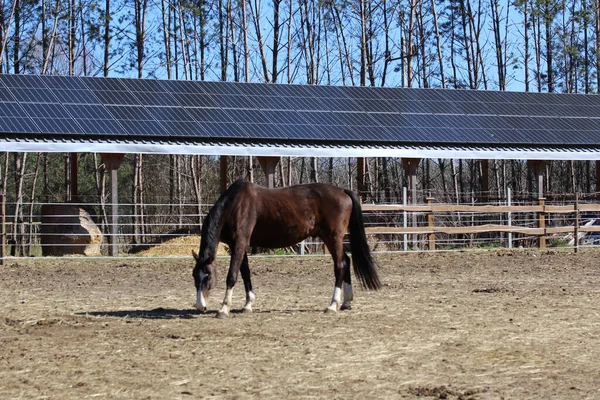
(364, 266)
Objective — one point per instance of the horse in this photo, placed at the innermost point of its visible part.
(248, 215)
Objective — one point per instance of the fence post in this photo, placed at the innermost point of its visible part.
(509, 216)
(404, 221)
(431, 224)
(576, 229)
(542, 223)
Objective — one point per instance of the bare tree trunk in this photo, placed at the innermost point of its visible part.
(438, 44)
(30, 239)
(196, 170)
(275, 52)
(100, 178)
(72, 32)
(107, 18)
(259, 38)
(140, 7)
(18, 231)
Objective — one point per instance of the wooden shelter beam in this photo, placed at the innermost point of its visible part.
(269, 165)
(223, 166)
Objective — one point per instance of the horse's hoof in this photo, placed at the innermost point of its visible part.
(247, 310)
(330, 310)
(222, 315)
(345, 307)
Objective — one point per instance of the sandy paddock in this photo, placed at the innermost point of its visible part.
(484, 325)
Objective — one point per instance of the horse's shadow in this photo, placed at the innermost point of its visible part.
(173, 313)
(156, 313)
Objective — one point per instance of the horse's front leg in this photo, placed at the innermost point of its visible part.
(245, 270)
(237, 256)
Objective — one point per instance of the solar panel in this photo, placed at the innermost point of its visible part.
(247, 116)
(101, 127)
(88, 111)
(18, 125)
(143, 128)
(333, 104)
(232, 101)
(363, 93)
(222, 88)
(63, 82)
(76, 96)
(226, 130)
(37, 95)
(6, 95)
(11, 110)
(156, 99)
(208, 114)
(254, 89)
(116, 97)
(22, 81)
(263, 131)
(185, 129)
(58, 125)
(46, 110)
(290, 117)
(170, 114)
(228, 110)
(194, 100)
(104, 84)
(271, 102)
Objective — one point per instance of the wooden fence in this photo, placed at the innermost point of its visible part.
(541, 211)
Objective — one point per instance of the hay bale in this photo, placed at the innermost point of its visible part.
(69, 229)
(181, 246)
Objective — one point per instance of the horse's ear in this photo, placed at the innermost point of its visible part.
(195, 255)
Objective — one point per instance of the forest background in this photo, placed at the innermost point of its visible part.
(523, 45)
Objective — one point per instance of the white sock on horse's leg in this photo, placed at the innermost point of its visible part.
(250, 297)
(226, 302)
(336, 299)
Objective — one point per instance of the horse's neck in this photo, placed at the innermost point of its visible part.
(212, 235)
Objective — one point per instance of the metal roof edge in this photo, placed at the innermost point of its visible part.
(302, 150)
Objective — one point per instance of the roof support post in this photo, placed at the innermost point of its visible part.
(223, 165)
(112, 161)
(411, 165)
(269, 164)
(538, 167)
(360, 177)
(74, 195)
(485, 181)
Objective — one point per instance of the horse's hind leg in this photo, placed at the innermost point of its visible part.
(337, 253)
(245, 270)
(348, 293)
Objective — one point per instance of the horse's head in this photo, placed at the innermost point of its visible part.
(204, 278)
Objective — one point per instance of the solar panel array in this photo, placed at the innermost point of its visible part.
(133, 108)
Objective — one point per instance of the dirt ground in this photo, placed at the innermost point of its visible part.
(484, 325)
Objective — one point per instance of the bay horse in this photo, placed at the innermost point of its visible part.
(250, 215)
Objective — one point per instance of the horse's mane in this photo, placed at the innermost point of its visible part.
(213, 222)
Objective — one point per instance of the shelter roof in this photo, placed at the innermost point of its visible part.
(81, 114)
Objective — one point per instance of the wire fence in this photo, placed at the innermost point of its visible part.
(435, 221)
